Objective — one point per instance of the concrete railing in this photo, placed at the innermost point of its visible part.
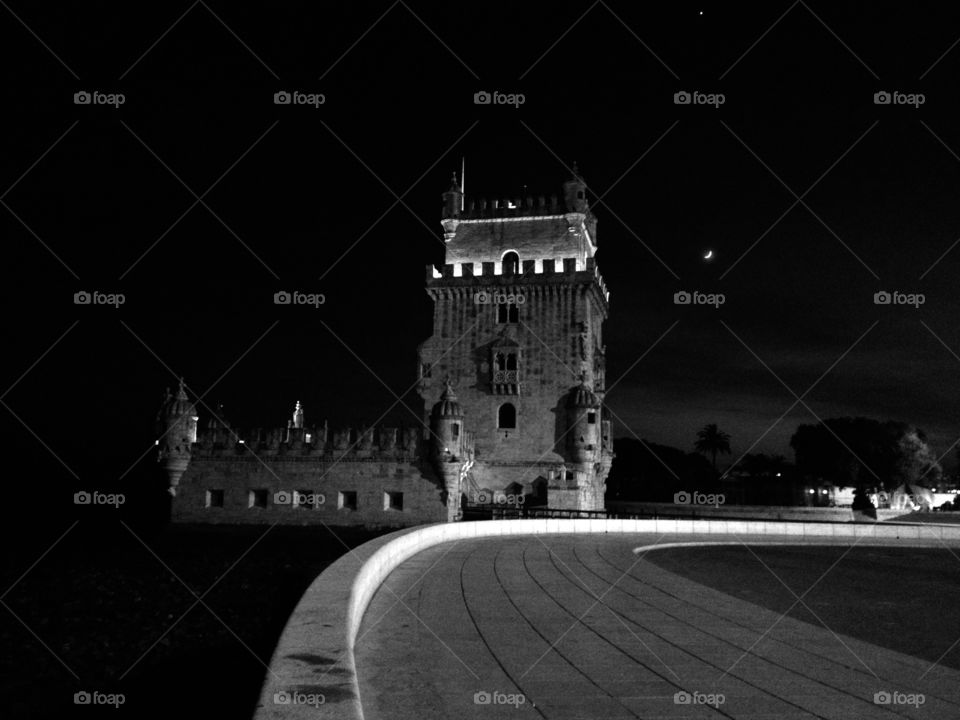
(314, 660)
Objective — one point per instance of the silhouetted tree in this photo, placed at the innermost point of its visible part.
(863, 452)
(711, 440)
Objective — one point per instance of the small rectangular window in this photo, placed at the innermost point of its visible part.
(591, 417)
(393, 501)
(456, 430)
(347, 500)
(257, 498)
(214, 498)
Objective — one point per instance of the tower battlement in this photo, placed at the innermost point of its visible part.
(565, 270)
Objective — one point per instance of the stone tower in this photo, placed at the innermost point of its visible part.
(177, 426)
(517, 328)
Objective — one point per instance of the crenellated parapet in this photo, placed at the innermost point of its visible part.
(539, 271)
(488, 208)
(347, 444)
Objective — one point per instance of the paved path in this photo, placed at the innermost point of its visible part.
(581, 627)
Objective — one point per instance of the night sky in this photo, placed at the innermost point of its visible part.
(344, 200)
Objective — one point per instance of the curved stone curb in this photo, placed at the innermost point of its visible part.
(314, 658)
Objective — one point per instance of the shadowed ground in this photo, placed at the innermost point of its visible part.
(581, 627)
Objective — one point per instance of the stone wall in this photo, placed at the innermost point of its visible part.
(248, 481)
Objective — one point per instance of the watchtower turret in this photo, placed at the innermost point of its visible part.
(575, 193)
(447, 447)
(177, 425)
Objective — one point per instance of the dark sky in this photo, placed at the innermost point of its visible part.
(307, 198)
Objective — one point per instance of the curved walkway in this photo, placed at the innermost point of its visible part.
(572, 627)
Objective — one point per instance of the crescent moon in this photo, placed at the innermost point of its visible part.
(709, 255)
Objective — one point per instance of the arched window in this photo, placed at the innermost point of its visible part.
(507, 417)
(512, 361)
(501, 361)
(511, 263)
(508, 313)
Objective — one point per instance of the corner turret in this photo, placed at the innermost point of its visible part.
(449, 448)
(452, 207)
(177, 425)
(583, 424)
(575, 193)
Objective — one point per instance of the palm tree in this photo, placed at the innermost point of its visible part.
(712, 440)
